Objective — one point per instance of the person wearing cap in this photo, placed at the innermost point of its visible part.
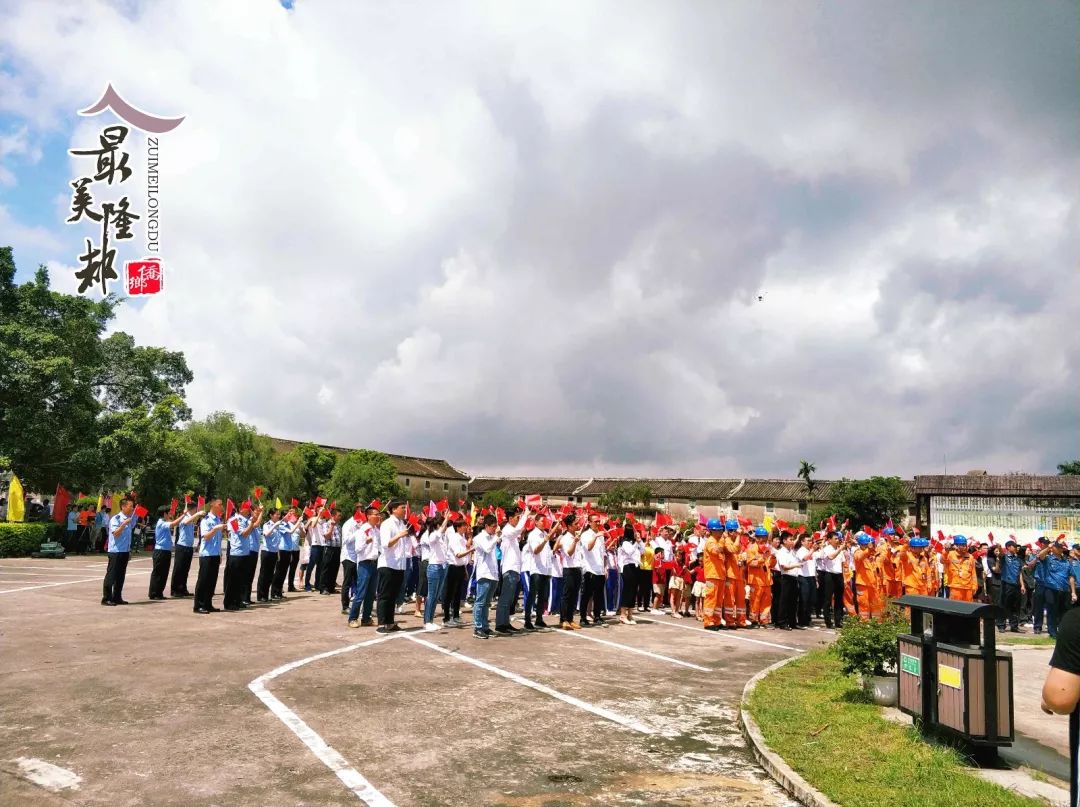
(960, 574)
(1008, 571)
(759, 577)
(185, 549)
(866, 577)
(162, 557)
(734, 577)
(1038, 599)
(1057, 575)
(914, 566)
(210, 530)
(714, 564)
(119, 548)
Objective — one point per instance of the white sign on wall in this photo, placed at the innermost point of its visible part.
(1026, 518)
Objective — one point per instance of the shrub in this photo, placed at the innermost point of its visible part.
(869, 648)
(18, 539)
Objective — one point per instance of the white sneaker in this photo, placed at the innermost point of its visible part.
(657, 611)
(430, 627)
(399, 609)
(466, 607)
(631, 621)
(677, 615)
(623, 619)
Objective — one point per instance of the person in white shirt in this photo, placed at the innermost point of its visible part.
(805, 552)
(510, 542)
(832, 571)
(592, 561)
(628, 559)
(789, 566)
(331, 558)
(555, 598)
(487, 573)
(460, 553)
(393, 541)
(570, 545)
(537, 563)
(349, 530)
(315, 541)
(366, 538)
(435, 544)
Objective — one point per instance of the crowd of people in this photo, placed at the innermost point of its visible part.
(576, 567)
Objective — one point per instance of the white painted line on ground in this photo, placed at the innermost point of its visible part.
(45, 573)
(607, 714)
(720, 634)
(361, 787)
(49, 776)
(637, 650)
(99, 579)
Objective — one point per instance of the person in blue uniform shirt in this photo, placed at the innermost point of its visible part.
(162, 557)
(1008, 570)
(1056, 574)
(185, 549)
(269, 544)
(210, 530)
(237, 585)
(288, 555)
(119, 549)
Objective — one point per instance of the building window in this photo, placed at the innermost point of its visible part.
(661, 501)
(802, 507)
(543, 500)
(693, 505)
(735, 506)
(911, 512)
(446, 486)
(427, 484)
(770, 507)
(406, 481)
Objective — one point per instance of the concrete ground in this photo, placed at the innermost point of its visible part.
(150, 704)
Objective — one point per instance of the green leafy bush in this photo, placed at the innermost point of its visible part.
(869, 648)
(18, 539)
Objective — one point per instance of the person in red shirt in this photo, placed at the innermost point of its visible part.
(676, 585)
(660, 570)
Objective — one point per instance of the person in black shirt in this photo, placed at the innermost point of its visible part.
(1061, 690)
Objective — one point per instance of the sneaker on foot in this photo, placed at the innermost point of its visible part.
(430, 627)
(354, 623)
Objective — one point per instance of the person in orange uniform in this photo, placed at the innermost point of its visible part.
(712, 561)
(735, 587)
(759, 561)
(866, 578)
(886, 566)
(915, 567)
(960, 571)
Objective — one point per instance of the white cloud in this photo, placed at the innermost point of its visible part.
(530, 238)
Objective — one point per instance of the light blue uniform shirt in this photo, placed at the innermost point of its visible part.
(72, 520)
(1010, 569)
(121, 542)
(162, 534)
(269, 543)
(101, 519)
(1056, 573)
(286, 536)
(211, 547)
(186, 534)
(238, 543)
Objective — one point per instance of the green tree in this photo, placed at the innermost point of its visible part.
(621, 496)
(70, 397)
(318, 465)
(232, 457)
(870, 501)
(360, 476)
(1069, 468)
(496, 498)
(286, 475)
(806, 474)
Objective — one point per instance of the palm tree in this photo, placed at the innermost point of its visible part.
(806, 471)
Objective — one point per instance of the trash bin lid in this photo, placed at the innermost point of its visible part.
(940, 605)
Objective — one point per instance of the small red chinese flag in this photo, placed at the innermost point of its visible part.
(230, 508)
(172, 508)
(201, 502)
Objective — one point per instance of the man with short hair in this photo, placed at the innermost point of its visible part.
(270, 544)
(1012, 587)
(1055, 585)
(119, 548)
(210, 530)
(367, 558)
(240, 526)
(162, 557)
(571, 552)
(509, 541)
(393, 535)
(592, 562)
(487, 573)
(185, 549)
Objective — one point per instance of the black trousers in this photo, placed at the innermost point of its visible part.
(571, 584)
(389, 582)
(775, 614)
(833, 598)
(267, 568)
(451, 598)
(294, 563)
(644, 587)
(592, 592)
(281, 569)
(181, 568)
(328, 567)
(1010, 601)
(537, 597)
(789, 590)
(159, 572)
(629, 574)
(112, 589)
(235, 578)
(348, 580)
(314, 560)
(250, 564)
(806, 599)
(206, 581)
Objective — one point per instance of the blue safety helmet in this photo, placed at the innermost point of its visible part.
(862, 538)
(761, 532)
(715, 524)
(959, 540)
(888, 531)
(919, 543)
(732, 525)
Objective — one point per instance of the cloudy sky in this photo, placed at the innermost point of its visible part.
(684, 238)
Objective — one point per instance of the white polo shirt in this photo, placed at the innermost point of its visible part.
(487, 567)
(393, 557)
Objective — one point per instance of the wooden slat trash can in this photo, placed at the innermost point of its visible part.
(952, 677)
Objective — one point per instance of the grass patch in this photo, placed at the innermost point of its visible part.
(820, 722)
(1026, 638)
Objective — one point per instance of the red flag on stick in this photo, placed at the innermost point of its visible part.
(295, 502)
(172, 508)
(201, 503)
(60, 504)
(141, 511)
(230, 508)
(258, 492)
